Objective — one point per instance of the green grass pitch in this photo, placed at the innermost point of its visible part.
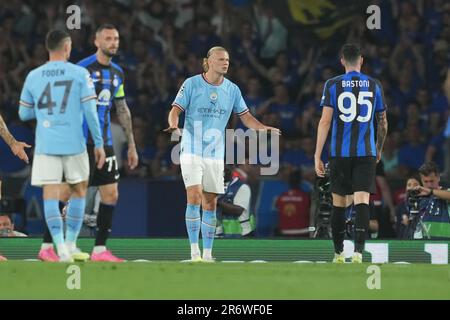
(175, 280)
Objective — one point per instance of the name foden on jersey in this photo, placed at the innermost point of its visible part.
(53, 72)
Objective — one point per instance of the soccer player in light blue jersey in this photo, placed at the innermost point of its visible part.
(208, 100)
(58, 94)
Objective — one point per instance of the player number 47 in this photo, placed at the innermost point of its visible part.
(349, 113)
(46, 102)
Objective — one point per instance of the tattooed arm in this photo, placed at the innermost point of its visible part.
(5, 134)
(17, 147)
(382, 127)
(124, 116)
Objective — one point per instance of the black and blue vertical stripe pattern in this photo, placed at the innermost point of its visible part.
(354, 138)
(103, 110)
(107, 80)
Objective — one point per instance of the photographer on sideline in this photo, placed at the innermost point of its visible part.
(434, 203)
(403, 210)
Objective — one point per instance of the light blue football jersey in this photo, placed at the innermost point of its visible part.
(60, 93)
(207, 110)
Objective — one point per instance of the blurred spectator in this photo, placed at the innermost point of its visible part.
(203, 39)
(144, 151)
(162, 166)
(411, 155)
(294, 209)
(272, 33)
(244, 42)
(7, 227)
(253, 98)
(282, 106)
(435, 150)
(390, 155)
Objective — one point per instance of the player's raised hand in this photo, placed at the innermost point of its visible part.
(320, 168)
(173, 129)
(273, 130)
(18, 149)
(100, 157)
(378, 156)
(133, 158)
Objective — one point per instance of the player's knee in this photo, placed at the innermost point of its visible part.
(361, 197)
(111, 197)
(339, 201)
(194, 195)
(209, 205)
(77, 191)
(194, 198)
(64, 193)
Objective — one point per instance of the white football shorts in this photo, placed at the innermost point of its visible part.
(209, 173)
(49, 169)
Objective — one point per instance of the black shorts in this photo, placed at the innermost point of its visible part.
(108, 174)
(349, 175)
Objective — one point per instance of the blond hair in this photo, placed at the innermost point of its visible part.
(205, 64)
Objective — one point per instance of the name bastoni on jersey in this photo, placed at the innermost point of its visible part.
(355, 83)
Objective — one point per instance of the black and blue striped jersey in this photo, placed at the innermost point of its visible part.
(108, 81)
(355, 97)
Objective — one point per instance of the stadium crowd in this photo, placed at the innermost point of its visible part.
(280, 66)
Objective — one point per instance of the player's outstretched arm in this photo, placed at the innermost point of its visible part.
(382, 127)
(124, 116)
(173, 119)
(90, 112)
(322, 134)
(252, 123)
(17, 147)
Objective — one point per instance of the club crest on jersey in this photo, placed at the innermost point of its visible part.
(104, 97)
(213, 96)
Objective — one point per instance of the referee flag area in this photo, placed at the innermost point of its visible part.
(244, 269)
